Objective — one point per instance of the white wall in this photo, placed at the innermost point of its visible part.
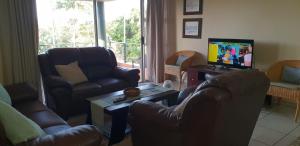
(273, 24)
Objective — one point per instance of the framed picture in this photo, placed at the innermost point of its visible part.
(193, 7)
(192, 28)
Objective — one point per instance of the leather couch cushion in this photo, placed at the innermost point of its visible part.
(30, 107)
(56, 128)
(85, 90)
(96, 62)
(63, 56)
(45, 118)
(112, 84)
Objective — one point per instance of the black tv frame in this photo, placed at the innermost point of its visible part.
(249, 41)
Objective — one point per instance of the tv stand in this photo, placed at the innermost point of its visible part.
(196, 74)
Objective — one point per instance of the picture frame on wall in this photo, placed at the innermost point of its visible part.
(192, 28)
(193, 7)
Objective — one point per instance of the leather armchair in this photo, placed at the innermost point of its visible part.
(58, 133)
(221, 111)
(100, 67)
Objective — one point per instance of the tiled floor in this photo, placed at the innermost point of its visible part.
(276, 127)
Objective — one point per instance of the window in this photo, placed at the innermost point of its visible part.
(65, 23)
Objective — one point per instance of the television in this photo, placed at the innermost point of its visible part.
(236, 53)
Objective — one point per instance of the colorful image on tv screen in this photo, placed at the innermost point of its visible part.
(238, 54)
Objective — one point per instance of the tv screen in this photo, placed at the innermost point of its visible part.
(236, 53)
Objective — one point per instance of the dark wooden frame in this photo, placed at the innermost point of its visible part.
(199, 20)
(193, 13)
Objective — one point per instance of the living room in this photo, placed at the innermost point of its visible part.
(139, 72)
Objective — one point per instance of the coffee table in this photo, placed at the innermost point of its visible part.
(118, 127)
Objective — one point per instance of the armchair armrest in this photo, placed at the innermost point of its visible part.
(131, 75)
(57, 82)
(149, 114)
(22, 92)
(185, 93)
(84, 135)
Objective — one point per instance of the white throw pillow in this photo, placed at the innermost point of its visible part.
(71, 72)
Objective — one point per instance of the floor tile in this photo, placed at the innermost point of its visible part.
(266, 135)
(263, 114)
(256, 143)
(285, 141)
(278, 121)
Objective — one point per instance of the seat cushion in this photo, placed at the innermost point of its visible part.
(172, 69)
(45, 118)
(85, 90)
(56, 128)
(30, 107)
(291, 75)
(112, 84)
(286, 85)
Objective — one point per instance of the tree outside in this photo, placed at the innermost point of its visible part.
(70, 23)
(115, 33)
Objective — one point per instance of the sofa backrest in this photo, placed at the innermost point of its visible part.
(95, 62)
(225, 109)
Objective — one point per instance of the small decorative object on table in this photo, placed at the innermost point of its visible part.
(132, 92)
(168, 84)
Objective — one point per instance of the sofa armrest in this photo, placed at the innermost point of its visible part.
(131, 75)
(185, 93)
(57, 82)
(22, 92)
(150, 114)
(84, 135)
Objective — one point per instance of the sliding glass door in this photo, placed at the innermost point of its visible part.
(114, 24)
(65, 23)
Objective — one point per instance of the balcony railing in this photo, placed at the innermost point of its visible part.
(127, 54)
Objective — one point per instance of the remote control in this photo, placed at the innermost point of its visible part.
(119, 99)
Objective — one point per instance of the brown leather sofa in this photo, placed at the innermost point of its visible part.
(59, 133)
(222, 111)
(100, 67)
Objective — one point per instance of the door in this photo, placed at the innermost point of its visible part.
(124, 30)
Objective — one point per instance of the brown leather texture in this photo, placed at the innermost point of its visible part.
(58, 132)
(100, 67)
(22, 92)
(221, 111)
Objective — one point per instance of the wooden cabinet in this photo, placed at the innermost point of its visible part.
(196, 74)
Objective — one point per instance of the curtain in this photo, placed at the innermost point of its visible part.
(18, 41)
(160, 37)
